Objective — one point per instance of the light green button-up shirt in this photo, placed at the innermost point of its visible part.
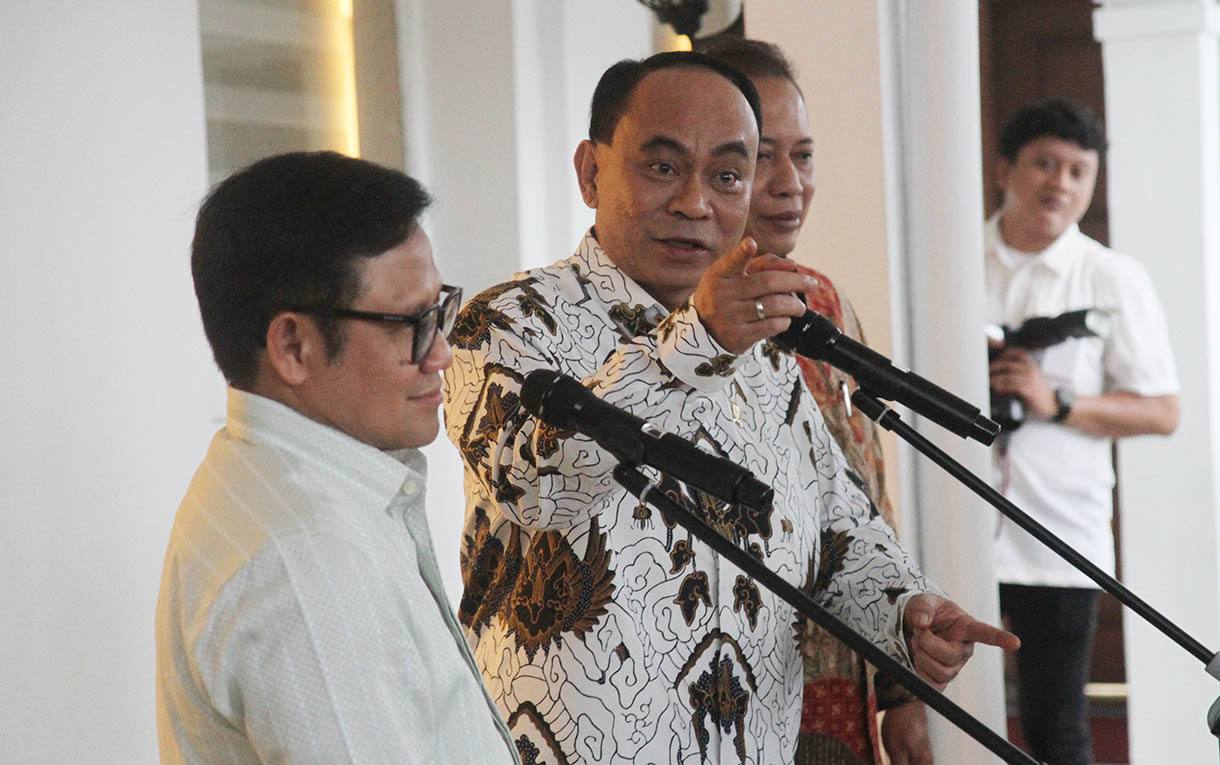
(302, 616)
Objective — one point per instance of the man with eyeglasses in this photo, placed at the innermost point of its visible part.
(301, 615)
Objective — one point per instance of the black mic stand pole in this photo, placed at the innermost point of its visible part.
(630, 477)
(887, 418)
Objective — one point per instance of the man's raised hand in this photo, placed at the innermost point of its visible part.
(745, 297)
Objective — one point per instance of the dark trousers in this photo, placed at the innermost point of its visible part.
(1056, 626)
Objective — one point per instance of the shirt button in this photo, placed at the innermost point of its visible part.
(410, 487)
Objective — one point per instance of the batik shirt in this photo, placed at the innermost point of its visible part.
(604, 633)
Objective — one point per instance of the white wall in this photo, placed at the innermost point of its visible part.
(1162, 74)
(846, 234)
(495, 98)
(109, 396)
(835, 48)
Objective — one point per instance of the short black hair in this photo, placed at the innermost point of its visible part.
(616, 85)
(286, 232)
(754, 58)
(1061, 118)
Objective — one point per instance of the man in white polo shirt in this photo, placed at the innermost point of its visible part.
(1078, 397)
(301, 615)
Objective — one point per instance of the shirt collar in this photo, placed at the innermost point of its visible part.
(351, 467)
(1055, 257)
(627, 303)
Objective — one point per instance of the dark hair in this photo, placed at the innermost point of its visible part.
(286, 232)
(616, 85)
(754, 58)
(1068, 120)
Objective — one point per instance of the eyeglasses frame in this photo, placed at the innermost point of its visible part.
(419, 351)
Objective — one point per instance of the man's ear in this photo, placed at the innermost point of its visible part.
(585, 161)
(293, 343)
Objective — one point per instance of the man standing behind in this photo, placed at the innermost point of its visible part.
(301, 615)
(1078, 397)
(606, 634)
(842, 692)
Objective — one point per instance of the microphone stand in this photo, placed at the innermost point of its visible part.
(630, 477)
(887, 418)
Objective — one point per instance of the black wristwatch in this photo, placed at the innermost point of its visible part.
(1064, 399)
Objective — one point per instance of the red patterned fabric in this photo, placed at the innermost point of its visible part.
(839, 717)
(840, 709)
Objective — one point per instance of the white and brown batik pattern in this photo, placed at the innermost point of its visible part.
(605, 633)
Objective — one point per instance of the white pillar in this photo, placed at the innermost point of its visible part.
(897, 223)
(937, 62)
(1162, 76)
(109, 394)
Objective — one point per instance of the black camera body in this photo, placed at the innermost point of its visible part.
(1034, 334)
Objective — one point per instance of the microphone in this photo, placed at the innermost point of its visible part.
(816, 337)
(562, 402)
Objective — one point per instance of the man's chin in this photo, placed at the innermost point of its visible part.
(775, 245)
(1054, 225)
(419, 432)
(422, 436)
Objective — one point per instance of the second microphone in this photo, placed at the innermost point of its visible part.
(562, 402)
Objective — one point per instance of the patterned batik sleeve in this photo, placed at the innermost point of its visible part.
(863, 576)
(540, 476)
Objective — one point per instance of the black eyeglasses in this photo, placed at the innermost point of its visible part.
(428, 323)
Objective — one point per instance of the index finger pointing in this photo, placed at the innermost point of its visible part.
(981, 632)
(733, 263)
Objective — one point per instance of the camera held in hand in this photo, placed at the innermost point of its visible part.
(1034, 334)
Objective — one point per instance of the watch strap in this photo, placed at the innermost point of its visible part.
(1065, 400)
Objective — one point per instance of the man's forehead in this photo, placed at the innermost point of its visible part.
(1049, 142)
(666, 96)
(679, 76)
(405, 276)
(806, 142)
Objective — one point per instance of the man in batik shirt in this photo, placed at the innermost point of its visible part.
(605, 634)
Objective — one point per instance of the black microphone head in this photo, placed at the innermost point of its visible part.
(535, 387)
(551, 396)
(808, 335)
